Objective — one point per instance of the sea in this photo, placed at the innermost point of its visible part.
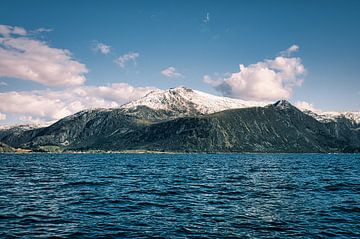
(180, 196)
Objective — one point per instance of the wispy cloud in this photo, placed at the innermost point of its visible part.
(270, 79)
(42, 29)
(3, 83)
(27, 58)
(171, 72)
(206, 18)
(290, 50)
(102, 48)
(124, 59)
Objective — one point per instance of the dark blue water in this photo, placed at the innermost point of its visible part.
(179, 196)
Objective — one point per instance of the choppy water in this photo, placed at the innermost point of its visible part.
(179, 196)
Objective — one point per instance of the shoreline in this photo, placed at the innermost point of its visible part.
(26, 151)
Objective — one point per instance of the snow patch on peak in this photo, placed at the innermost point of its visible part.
(186, 101)
(283, 104)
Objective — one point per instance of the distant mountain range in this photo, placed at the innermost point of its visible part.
(186, 120)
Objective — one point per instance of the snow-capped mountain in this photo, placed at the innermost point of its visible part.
(182, 101)
(159, 121)
(185, 101)
(23, 126)
(325, 117)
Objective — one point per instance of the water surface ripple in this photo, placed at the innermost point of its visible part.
(179, 196)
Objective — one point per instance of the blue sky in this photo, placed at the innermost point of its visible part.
(197, 39)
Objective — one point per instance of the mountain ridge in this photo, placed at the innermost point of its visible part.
(186, 123)
(186, 101)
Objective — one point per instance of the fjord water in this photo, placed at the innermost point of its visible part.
(179, 195)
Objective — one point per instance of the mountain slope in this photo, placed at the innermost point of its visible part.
(6, 130)
(6, 148)
(275, 128)
(85, 127)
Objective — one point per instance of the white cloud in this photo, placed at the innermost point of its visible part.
(207, 18)
(7, 31)
(293, 48)
(42, 29)
(48, 105)
(2, 116)
(290, 50)
(30, 59)
(122, 60)
(270, 79)
(171, 72)
(3, 83)
(103, 48)
(303, 105)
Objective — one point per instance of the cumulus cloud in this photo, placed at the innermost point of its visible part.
(269, 79)
(48, 105)
(2, 116)
(103, 48)
(171, 72)
(124, 59)
(26, 58)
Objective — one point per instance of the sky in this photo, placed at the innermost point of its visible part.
(59, 57)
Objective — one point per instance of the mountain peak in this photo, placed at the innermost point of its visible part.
(283, 104)
(181, 88)
(184, 101)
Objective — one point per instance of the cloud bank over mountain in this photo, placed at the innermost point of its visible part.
(49, 105)
(269, 79)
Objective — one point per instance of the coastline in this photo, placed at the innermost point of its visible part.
(28, 151)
